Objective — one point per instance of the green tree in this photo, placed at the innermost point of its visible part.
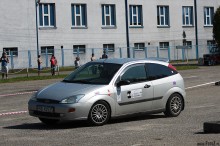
(216, 27)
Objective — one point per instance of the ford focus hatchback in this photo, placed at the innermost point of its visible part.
(103, 89)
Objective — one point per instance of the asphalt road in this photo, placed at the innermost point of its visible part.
(202, 105)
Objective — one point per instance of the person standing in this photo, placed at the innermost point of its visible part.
(53, 63)
(93, 57)
(39, 62)
(4, 63)
(104, 55)
(76, 62)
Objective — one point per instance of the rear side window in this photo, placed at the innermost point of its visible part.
(134, 74)
(158, 71)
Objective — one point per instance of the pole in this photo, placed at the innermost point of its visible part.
(36, 4)
(127, 29)
(196, 29)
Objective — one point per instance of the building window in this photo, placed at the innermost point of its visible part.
(164, 45)
(163, 15)
(47, 50)
(11, 51)
(109, 47)
(81, 49)
(139, 46)
(211, 43)
(136, 15)
(208, 16)
(79, 15)
(47, 15)
(187, 16)
(189, 44)
(108, 15)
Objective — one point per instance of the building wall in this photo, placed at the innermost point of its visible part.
(18, 29)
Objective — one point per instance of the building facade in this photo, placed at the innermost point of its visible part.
(70, 28)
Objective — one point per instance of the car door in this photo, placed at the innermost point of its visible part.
(162, 80)
(138, 94)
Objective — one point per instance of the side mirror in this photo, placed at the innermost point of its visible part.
(123, 82)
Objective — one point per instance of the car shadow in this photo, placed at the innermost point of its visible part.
(41, 126)
(135, 117)
(81, 124)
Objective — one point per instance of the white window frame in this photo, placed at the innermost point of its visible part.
(108, 15)
(78, 15)
(135, 15)
(8, 51)
(163, 46)
(138, 48)
(110, 49)
(50, 50)
(163, 16)
(78, 47)
(186, 14)
(208, 17)
(46, 15)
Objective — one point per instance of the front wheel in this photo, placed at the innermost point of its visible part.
(49, 121)
(99, 113)
(174, 105)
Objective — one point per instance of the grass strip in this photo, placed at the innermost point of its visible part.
(32, 78)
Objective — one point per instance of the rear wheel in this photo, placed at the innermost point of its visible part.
(174, 105)
(49, 121)
(99, 113)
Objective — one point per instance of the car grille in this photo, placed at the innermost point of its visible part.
(49, 101)
(55, 115)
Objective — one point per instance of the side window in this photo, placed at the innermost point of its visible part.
(157, 71)
(135, 74)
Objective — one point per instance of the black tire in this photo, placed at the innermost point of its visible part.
(99, 113)
(49, 121)
(174, 105)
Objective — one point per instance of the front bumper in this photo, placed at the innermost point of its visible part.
(61, 111)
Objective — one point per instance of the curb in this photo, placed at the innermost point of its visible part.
(211, 127)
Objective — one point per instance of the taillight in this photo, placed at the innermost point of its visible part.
(172, 67)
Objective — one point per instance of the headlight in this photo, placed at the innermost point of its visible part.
(34, 97)
(72, 99)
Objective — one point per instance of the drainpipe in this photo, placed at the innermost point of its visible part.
(196, 30)
(127, 29)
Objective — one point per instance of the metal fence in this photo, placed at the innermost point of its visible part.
(66, 57)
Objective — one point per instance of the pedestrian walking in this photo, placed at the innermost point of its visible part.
(4, 63)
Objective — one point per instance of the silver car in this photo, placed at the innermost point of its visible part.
(107, 88)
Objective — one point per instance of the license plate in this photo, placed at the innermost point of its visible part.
(48, 109)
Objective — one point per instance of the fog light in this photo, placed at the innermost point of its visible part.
(71, 110)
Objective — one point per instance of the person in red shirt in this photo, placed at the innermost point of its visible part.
(53, 63)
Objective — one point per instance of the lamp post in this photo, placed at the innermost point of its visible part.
(127, 29)
(36, 4)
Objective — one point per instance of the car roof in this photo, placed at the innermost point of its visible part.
(126, 60)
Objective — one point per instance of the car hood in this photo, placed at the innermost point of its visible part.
(61, 90)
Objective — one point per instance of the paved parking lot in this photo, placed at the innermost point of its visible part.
(202, 105)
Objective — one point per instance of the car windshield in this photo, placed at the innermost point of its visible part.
(93, 73)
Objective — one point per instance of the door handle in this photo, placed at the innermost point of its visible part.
(147, 86)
